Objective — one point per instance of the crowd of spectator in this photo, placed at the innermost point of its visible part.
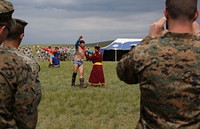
(36, 52)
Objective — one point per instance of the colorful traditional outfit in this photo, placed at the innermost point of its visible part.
(56, 59)
(97, 75)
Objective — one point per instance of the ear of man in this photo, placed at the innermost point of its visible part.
(21, 36)
(166, 13)
(3, 33)
(196, 15)
(2, 28)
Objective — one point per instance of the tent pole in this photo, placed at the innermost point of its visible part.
(115, 55)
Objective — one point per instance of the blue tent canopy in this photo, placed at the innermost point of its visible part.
(115, 45)
(118, 47)
(128, 45)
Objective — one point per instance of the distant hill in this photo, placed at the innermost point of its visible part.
(101, 44)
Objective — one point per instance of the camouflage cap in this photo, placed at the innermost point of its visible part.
(6, 10)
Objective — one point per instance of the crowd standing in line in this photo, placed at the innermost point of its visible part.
(66, 53)
(166, 66)
(18, 99)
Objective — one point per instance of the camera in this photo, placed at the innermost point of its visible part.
(166, 25)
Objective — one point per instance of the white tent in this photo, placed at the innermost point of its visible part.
(115, 50)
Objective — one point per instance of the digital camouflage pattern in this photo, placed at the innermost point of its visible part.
(34, 67)
(6, 10)
(18, 97)
(6, 7)
(168, 71)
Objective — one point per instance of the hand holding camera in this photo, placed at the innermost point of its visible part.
(157, 28)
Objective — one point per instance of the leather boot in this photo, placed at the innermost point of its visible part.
(82, 85)
(73, 81)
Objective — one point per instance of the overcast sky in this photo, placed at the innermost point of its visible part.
(62, 21)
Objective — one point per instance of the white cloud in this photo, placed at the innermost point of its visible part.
(62, 21)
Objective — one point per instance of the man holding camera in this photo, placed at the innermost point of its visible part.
(166, 65)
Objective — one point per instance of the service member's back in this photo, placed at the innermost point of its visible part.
(18, 102)
(167, 68)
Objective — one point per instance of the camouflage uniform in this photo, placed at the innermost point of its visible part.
(18, 96)
(18, 102)
(34, 67)
(168, 71)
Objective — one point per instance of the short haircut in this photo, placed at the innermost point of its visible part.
(81, 41)
(97, 47)
(178, 9)
(17, 29)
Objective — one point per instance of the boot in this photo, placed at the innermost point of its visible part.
(82, 85)
(73, 81)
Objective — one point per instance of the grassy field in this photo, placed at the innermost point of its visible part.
(115, 106)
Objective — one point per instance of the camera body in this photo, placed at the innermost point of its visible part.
(166, 25)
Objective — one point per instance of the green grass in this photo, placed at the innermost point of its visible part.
(115, 106)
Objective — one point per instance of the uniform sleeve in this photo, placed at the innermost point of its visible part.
(146, 40)
(25, 107)
(6, 121)
(18, 106)
(125, 69)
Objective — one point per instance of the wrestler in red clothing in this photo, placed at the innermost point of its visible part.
(97, 75)
(51, 54)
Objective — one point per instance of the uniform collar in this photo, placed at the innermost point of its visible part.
(179, 35)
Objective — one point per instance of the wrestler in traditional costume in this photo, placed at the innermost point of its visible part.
(97, 76)
(56, 59)
(78, 64)
(51, 55)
